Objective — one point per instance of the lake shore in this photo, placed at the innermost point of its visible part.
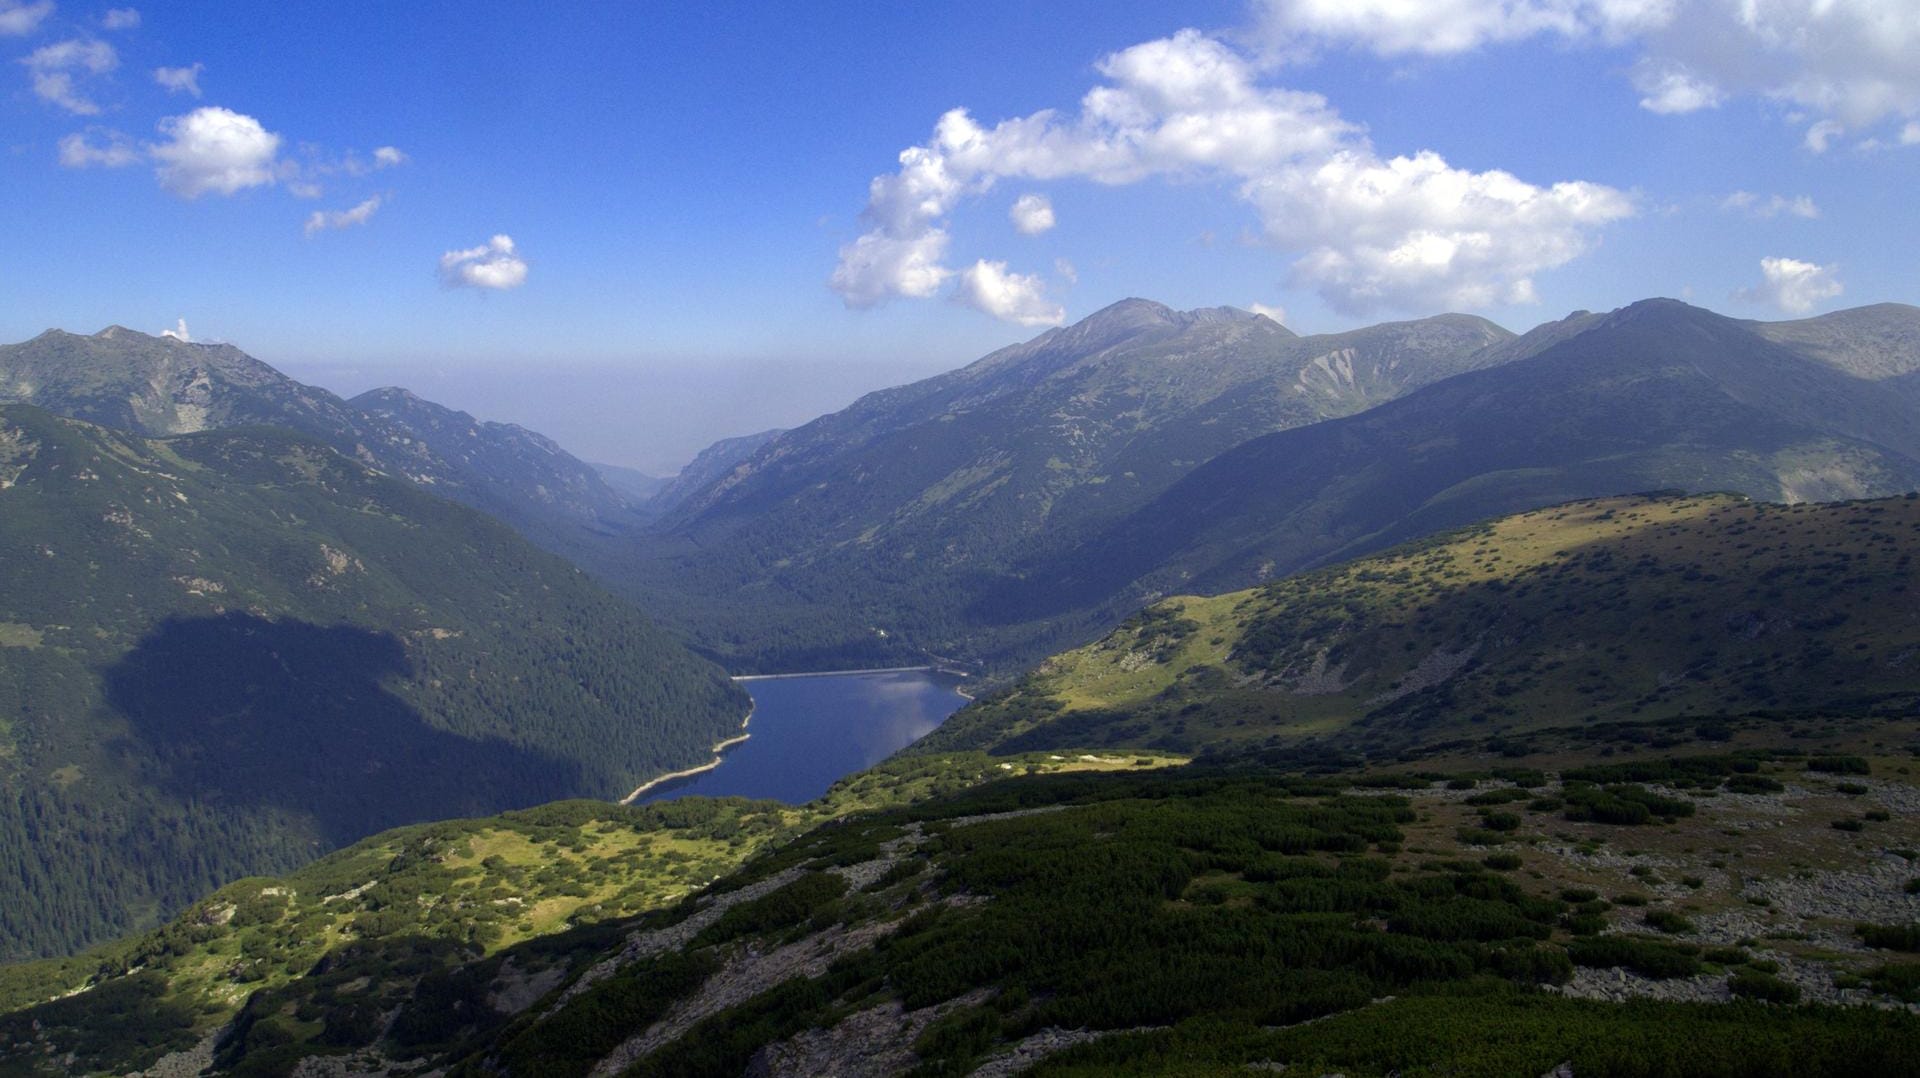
(719, 750)
(835, 673)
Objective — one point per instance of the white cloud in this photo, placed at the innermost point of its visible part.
(327, 220)
(495, 265)
(180, 80)
(1011, 297)
(1446, 27)
(1768, 208)
(1669, 89)
(388, 157)
(179, 332)
(1821, 135)
(115, 151)
(1190, 108)
(1278, 314)
(1414, 233)
(1910, 134)
(120, 18)
(876, 267)
(56, 70)
(1794, 286)
(19, 20)
(1178, 107)
(1844, 60)
(1031, 214)
(212, 149)
(1066, 271)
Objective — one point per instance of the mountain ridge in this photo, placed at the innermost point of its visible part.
(161, 386)
(902, 504)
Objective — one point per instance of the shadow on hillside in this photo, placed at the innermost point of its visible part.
(242, 711)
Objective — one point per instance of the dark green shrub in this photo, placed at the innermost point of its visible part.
(1667, 921)
(1890, 937)
(1651, 958)
(1752, 984)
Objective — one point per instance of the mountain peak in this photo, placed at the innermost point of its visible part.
(1132, 311)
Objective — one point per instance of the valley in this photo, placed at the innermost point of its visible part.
(1324, 538)
(1337, 704)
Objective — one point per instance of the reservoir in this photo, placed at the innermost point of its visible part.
(811, 730)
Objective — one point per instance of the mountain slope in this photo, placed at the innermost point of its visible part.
(711, 465)
(894, 512)
(501, 468)
(161, 386)
(227, 652)
(1620, 610)
(637, 486)
(1654, 396)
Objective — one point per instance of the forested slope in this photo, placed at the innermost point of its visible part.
(226, 653)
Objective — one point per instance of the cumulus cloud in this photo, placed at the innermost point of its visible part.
(1848, 61)
(1031, 214)
(877, 267)
(180, 80)
(388, 157)
(1413, 231)
(1012, 297)
(1768, 208)
(494, 265)
(1278, 314)
(1183, 106)
(18, 19)
(58, 69)
(114, 150)
(120, 18)
(214, 150)
(329, 220)
(179, 332)
(1794, 286)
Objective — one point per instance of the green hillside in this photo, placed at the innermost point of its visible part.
(1611, 611)
(1130, 918)
(526, 895)
(226, 653)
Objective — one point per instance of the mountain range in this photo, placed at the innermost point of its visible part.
(1033, 499)
(868, 533)
(1484, 744)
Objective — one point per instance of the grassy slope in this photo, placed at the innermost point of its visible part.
(1622, 609)
(1187, 921)
(545, 884)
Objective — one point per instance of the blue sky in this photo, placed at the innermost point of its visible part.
(639, 228)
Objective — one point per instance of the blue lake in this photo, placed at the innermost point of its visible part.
(810, 731)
